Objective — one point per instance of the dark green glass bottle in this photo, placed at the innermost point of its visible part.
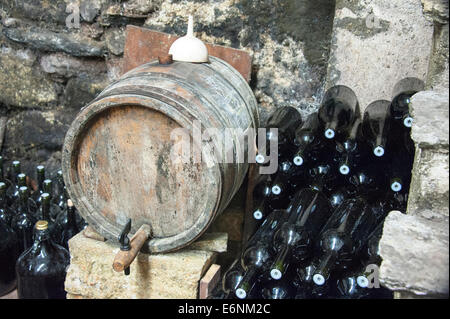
(61, 194)
(54, 209)
(257, 254)
(277, 289)
(70, 228)
(353, 150)
(293, 240)
(9, 251)
(40, 177)
(286, 120)
(5, 213)
(402, 93)
(338, 110)
(307, 138)
(54, 228)
(232, 278)
(23, 221)
(2, 175)
(21, 180)
(343, 236)
(41, 269)
(376, 126)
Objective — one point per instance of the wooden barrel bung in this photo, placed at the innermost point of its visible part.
(118, 159)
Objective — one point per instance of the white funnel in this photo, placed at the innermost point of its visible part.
(189, 48)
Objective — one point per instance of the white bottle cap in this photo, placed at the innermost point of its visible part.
(319, 279)
(240, 293)
(298, 160)
(275, 274)
(276, 190)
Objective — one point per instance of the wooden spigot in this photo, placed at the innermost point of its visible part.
(129, 248)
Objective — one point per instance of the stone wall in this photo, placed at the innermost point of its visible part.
(50, 67)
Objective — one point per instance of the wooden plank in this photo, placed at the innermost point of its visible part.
(209, 281)
(144, 45)
(11, 295)
(250, 224)
(3, 121)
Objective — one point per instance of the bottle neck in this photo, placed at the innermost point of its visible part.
(71, 220)
(324, 268)
(41, 238)
(281, 262)
(45, 211)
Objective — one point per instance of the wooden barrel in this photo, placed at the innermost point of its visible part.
(120, 153)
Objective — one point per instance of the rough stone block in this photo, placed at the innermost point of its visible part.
(430, 111)
(429, 191)
(377, 43)
(173, 275)
(415, 255)
(20, 84)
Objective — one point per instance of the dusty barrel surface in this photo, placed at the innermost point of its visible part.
(123, 155)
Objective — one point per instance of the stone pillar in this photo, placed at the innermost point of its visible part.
(173, 275)
(415, 247)
(377, 43)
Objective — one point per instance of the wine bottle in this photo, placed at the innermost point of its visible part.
(342, 237)
(9, 252)
(306, 139)
(401, 165)
(338, 110)
(232, 278)
(54, 209)
(283, 181)
(368, 181)
(352, 150)
(54, 228)
(319, 177)
(70, 228)
(261, 194)
(2, 175)
(306, 289)
(376, 126)
(352, 286)
(22, 221)
(61, 195)
(277, 289)
(338, 196)
(21, 180)
(402, 93)
(41, 269)
(258, 254)
(40, 177)
(5, 213)
(293, 240)
(285, 120)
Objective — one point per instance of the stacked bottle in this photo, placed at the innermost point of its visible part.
(20, 210)
(321, 214)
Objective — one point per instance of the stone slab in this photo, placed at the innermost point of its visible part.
(377, 43)
(415, 255)
(143, 45)
(173, 275)
(430, 111)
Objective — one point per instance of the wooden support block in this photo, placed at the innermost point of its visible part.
(144, 45)
(89, 232)
(250, 224)
(3, 121)
(209, 281)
